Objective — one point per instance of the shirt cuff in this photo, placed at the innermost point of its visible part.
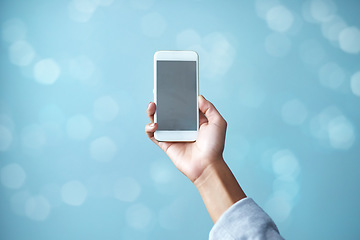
(244, 220)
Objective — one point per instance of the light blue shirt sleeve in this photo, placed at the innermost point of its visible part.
(244, 220)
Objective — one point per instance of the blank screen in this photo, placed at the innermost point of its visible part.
(176, 95)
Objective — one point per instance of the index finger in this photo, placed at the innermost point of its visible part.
(209, 110)
(151, 111)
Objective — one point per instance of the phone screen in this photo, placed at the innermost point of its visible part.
(176, 95)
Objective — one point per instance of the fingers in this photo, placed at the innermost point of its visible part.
(202, 118)
(209, 110)
(151, 111)
(150, 129)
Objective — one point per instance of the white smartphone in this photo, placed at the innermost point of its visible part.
(176, 88)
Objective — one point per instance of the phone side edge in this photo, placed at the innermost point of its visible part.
(155, 89)
(197, 90)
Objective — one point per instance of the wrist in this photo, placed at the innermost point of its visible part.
(213, 169)
(218, 188)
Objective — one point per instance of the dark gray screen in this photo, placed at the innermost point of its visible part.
(176, 95)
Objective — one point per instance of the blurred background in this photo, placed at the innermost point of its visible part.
(76, 78)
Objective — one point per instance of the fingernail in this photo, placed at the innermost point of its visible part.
(152, 125)
(149, 103)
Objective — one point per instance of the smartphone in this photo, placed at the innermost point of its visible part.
(176, 89)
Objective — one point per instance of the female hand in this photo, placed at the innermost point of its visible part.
(192, 158)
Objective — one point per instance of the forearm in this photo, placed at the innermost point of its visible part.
(218, 188)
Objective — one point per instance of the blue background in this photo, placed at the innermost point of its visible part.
(77, 75)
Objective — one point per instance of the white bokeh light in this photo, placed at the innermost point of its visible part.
(188, 38)
(37, 208)
(263, 6)
(21, 53)
(319, 123)
(322, 10)
(279, 18)
(12, 176)
(291, 188)
(161, 172)
(46, 71)
(105, 109)
(355, 83)
(331, 29)
(331, 75)
(79, 127)
(277, 45)
(85, 5)
(332, 127)
(153, 25)
(349, 40)
(33, 137)
(341, 133)
(104, 2)
(103, 149)
(218, 55)
(312, 52)
(138, 216)
(297, 24)
(278, 207)
(216, 51)
(6, 138)
(81, 10)
(294, 112)
(127, 189)
(74, 193)
(285, 164)
(13, 30)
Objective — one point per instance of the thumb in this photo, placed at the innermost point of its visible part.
(210, 111)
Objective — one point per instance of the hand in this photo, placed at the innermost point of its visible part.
(192, 158)
(202, 161)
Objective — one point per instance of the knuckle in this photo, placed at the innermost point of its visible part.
(225, 122)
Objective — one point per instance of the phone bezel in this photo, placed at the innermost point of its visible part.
(176, 136)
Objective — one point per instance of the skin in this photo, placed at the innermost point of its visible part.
(202, 161)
